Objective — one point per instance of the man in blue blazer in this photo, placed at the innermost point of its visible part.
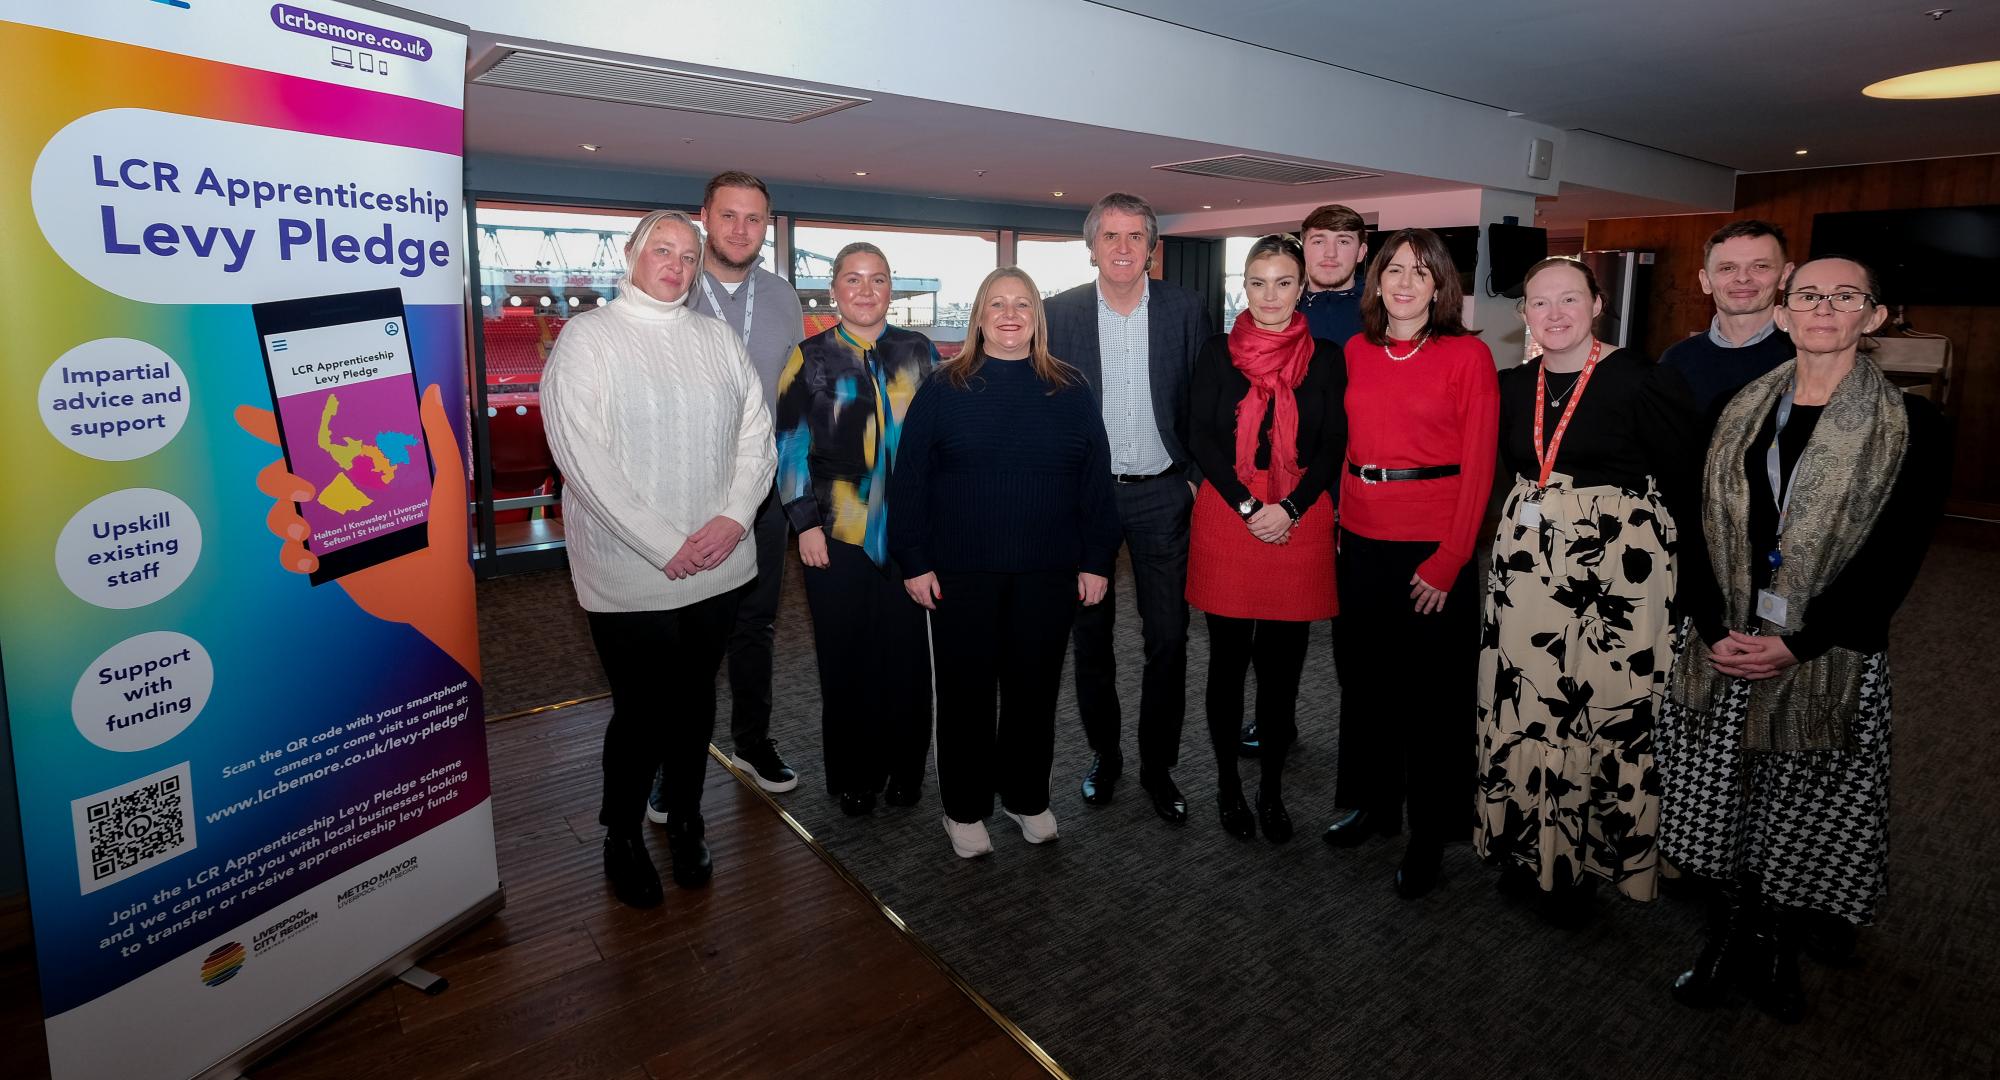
(1135, 339)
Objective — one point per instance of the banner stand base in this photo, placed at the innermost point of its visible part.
(430, 982)
(395, 967)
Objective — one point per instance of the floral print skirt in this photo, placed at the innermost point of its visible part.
(1577, 641)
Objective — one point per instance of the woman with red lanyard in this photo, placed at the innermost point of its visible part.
(1578, 628)
(1266, 428)
(1422, 405)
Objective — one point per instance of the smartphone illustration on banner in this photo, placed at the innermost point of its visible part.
(346, 401)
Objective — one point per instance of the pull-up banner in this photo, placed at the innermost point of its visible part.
(240, 656)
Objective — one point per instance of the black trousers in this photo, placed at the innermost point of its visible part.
(1155, 518)
(1408, 684)
(662, 667)
(1004, 634)
(874, 673)
(1278, 649)
(753, 643)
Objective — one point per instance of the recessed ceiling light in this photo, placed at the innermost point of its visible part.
(1057, 194)
(1965, 80)
(1801, 151)
(860, 172)
(1206, 206)
(590, 146)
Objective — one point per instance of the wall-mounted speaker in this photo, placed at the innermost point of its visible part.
(1541, 158)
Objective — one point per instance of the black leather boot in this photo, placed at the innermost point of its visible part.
(1724, 953)
(1776, 988)
(692, 866)
(1272, 816)
(1237, 820)
(630, 869)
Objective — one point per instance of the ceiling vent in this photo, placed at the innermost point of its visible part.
(596, 79)
(1263, 170)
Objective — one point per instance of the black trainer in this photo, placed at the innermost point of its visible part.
(762, 762)
(656, 803)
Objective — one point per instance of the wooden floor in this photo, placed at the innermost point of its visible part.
(781, 966)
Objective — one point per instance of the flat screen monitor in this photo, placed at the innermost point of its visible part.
(1947, 255)
(1511, 249)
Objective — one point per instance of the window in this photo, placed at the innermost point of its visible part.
(1055, 264)
(1234, 250)
(538, 267)
(933, 274)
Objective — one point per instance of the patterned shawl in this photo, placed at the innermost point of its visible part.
(1841, 482)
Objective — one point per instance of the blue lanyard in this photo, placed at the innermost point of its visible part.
(1781, 486)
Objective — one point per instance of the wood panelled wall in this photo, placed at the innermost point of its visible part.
(1790, 199)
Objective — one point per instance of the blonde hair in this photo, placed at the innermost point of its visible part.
(643, 232)
(960, 369)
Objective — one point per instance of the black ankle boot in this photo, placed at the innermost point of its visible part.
(630, 870)
(1237, 820)
(1272, 816)
(1776, 987)
(692, 866)
(1725, 953)
(1571, 906)
(1518, 881)
(1422, 867)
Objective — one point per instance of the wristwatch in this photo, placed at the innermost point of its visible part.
(1248, 507)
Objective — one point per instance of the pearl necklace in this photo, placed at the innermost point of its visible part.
(1421, 338)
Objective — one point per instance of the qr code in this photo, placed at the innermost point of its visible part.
(122, 831)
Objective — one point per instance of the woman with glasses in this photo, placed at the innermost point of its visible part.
(842, 400)
(1821, 488)
(1422, 405)
(1265, 425)
(1004, 524)
(1576, 639)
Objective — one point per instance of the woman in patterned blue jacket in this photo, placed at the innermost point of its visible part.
(841, 402)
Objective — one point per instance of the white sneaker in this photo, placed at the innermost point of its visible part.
(968, 840)
(1035, 828)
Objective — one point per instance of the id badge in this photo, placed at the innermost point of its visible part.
(1771, 608)
(1529, 514)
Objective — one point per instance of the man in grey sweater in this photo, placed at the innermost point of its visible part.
(765, 312)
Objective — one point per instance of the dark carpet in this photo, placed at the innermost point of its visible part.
(1130, 948)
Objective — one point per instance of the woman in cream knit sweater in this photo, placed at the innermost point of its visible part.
(659, 424)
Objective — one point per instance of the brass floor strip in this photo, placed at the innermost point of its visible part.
(548, 708)
(1027, 1042)
(923, 948)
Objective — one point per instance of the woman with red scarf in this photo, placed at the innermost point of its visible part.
(1267, 430)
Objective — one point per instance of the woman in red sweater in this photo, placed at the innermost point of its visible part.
(1423, 407)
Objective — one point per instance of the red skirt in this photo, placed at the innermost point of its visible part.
(1234, 574)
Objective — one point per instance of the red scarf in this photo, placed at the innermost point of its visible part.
(1275, 363)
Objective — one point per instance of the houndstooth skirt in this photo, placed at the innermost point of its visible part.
(1813, 826)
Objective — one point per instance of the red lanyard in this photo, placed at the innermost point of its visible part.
(1547, 458)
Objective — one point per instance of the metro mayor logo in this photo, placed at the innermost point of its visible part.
(311, 23)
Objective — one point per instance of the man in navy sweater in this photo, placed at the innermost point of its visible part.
(1336, 245)
(1135, 340)
(1743, 268)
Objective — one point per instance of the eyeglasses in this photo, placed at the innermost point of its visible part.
(1842, 301)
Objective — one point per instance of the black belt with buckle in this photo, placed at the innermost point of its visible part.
(1376, 474)
(1128, 478)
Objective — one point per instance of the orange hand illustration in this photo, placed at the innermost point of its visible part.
(430, 589)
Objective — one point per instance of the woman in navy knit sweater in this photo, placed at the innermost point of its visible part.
(1004, 523)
